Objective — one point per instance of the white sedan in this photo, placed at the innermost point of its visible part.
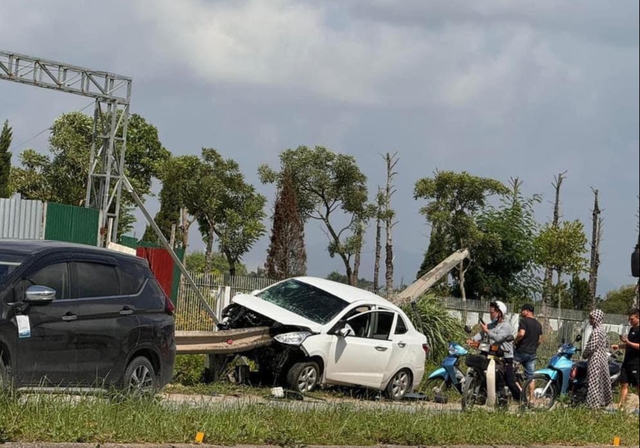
(331, 333)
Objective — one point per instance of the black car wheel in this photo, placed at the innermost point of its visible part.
(303, 376)
(140, 378)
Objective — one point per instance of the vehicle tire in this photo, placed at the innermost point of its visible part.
(437, 390)
(303, 376)
(140, 378)
(539, 393)
(399, 385)
(5, 377)
(471, 392)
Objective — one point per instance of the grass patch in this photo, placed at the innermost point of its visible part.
(47, 418)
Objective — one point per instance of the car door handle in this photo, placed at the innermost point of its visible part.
(402, 344)
(69, 317)
(381, 348)
(126, 311)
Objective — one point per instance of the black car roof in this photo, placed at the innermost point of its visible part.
(33, 247)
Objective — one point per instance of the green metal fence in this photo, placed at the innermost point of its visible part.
(72, 224)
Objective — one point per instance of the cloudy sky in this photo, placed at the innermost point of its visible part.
(526, 88)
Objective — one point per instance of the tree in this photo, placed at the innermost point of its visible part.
(5, 160)
(388, 216)
(327, 184)
(596, 237)
(215, 193)
(562, 248)
(504, 265)
(547, 282)
(378, 244)
(619, 301)
(579, 293)
(62, 176)
(287, 256)
(454, 200)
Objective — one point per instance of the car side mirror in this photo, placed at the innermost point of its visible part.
(39, 295)
(343, 332)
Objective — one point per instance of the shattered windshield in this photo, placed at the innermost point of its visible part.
(8, 263)
(305, 300)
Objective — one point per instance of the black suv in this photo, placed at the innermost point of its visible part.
(77, 316)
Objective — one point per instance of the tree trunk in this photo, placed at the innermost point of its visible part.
(463, 292)
(208, 253)
(376, 262)
(548, 272)
(391, 161)
(596, 234)
(185, 228)
(559, 293)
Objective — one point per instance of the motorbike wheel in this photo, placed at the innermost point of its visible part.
(472, 393)
(539, 393)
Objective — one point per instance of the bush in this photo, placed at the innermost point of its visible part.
(437, 325)
(189, 369)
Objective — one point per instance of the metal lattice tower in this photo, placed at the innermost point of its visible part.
(112, 94)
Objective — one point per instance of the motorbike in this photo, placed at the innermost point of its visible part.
(480, 381)
(448, 376)
(563, 377)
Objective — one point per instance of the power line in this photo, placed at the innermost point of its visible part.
(47, 129)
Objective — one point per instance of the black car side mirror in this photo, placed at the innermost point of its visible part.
(39, 295)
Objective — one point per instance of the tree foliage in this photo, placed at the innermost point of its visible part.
(5, 160)
(619, 301)
(327, 184)
(62, 176)
(503, 261)
(287, 256)
(195, 261)
(453, 202)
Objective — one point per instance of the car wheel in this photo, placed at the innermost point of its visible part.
(5, 377)
(399, 385)
(140, 378)
(303, 376)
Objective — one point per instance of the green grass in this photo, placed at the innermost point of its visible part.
(59, 419)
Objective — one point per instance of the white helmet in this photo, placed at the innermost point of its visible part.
(501, 306)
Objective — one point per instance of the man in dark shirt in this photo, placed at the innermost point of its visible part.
(631, 362)
(528, 339)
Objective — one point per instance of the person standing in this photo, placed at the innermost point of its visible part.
(631, 363)
(599, 394)
(527, 340)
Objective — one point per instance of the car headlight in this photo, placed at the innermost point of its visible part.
(294, 338)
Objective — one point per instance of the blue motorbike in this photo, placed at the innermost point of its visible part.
(448, 376)
(562, 377)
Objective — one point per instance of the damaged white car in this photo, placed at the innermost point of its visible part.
(330, 333)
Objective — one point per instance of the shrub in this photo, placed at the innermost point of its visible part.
(189, 369)
(433, 320)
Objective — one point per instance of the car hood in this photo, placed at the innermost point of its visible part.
(276, 313)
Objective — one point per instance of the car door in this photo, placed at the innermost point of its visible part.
(401, 346)
(361, 358)
(46, 353)
(106, 321)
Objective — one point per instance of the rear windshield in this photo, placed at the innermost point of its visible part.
(304, 300)
(8, 263)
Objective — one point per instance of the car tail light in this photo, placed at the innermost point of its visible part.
(169, 307)
(425, 347)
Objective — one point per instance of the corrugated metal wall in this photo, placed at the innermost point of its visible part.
(21, 218)
(72, 224)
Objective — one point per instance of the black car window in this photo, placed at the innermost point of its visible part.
(401, 327)
(54, 276)
(132, 278)
(96, 280)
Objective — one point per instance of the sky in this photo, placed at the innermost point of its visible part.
(498, 88)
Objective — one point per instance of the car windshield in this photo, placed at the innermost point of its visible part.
(8, 263)
(305, 300)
